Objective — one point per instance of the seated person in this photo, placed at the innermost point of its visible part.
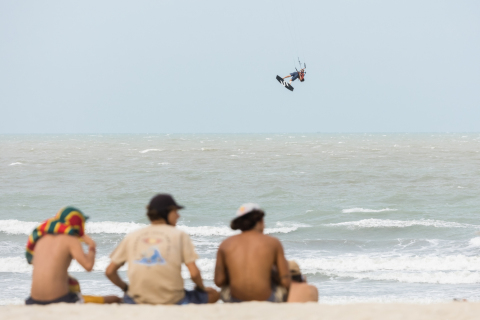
(300, 291)
(245, 261)
(155, 255)
(51, 248)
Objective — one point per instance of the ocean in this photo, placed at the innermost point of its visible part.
(368, 217)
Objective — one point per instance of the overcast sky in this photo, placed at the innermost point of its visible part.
(210, 66)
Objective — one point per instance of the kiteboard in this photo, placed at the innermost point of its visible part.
(284, 83)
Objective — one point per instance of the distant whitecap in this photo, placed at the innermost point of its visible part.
(149, 150)
(352, 210)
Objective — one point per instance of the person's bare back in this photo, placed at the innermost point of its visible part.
(245, 263)
(53, 255)
(249, 258)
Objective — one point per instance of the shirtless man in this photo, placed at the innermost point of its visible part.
(245, 262)
(56, 243)
(300, 291)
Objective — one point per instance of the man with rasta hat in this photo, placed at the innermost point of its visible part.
(155, 255)
(50, 249)
(251, 265)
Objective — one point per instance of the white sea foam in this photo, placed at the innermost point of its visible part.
(15, 164)
(111, 227)
(410, 269)
(17, 227)
(20, 265)
(457, 269)
(475, 242)
(13, 301)
(353, 210)
(363, 263)
(382, 223)
(149, 150)
(440, 277)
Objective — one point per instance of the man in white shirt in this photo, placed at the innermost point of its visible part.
(155, 255)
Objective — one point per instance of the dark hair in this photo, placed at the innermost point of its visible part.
(297, 278)
(248, 221)
(154, 214)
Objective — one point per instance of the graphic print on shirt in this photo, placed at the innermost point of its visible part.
(151, 257)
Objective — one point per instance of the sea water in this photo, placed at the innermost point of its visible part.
(368, 217)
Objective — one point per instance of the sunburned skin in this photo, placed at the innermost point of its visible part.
(245, 263)
(53, 255)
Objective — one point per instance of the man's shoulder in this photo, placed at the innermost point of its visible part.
(271, 239)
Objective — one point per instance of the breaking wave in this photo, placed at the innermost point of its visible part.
(111, 227)
(382, 223)
(149, 150)
(452, 269)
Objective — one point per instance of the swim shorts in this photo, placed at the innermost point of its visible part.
(68, 298)
(279, 294)
(294, 76)
(194, 296)
(191, 296)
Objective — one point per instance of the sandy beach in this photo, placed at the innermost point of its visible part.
(251, 310)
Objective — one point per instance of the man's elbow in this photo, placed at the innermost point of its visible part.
(89, 267)
(286, 282)
(109, 272)
(219, 281)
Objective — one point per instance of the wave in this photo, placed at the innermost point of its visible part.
(13, 301)
(409, 269)
(20, 265)
(353, 210)
(149, 150)
(381, 223)
(15, 163)
(362, 263)
(456, 277)
(475, 242)
(111, 227)
(456, 269)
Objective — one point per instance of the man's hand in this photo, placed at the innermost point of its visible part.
(195, 275)
(89, 242)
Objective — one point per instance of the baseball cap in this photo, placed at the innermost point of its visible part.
(294, 268)
(163, 201)
(246, 208)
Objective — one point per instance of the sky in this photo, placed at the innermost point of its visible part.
(210, 66)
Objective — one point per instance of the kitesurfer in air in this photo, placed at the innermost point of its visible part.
(297, 75)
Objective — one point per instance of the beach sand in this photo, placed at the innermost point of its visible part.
(251, 310)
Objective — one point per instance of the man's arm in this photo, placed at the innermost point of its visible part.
(282, 266)
(195, 275)
(85, 260)
(112, 275)
(89, 241)
(220, 278)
